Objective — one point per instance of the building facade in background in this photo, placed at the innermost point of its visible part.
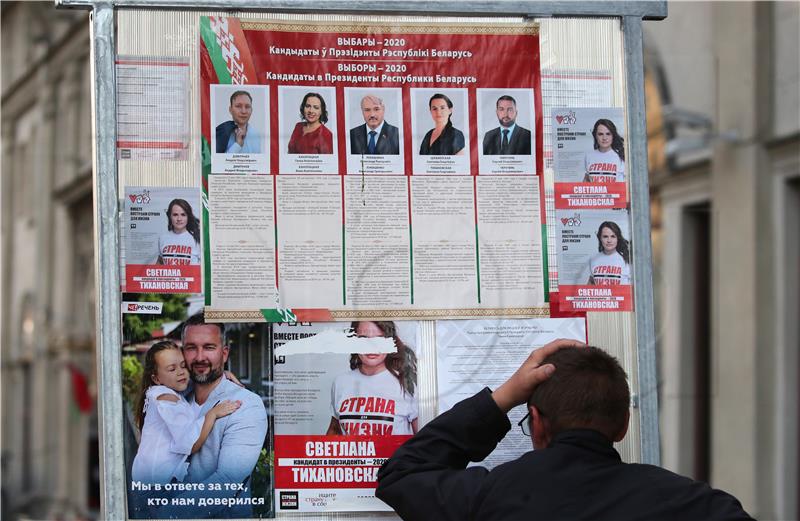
(726, 213)
(724, 128)
(49, 428)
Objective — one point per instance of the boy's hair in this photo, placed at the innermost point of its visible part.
(588, 390)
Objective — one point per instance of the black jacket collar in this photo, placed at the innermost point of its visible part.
(586, 439)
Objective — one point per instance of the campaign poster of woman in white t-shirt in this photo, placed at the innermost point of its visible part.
(606, 163)
(612, 265)
(180, 245)
(376, 397)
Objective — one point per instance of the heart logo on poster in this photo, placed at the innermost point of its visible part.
(567, 118)
(142, 198)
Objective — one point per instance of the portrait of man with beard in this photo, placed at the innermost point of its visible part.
(509, 139)
(231, 451)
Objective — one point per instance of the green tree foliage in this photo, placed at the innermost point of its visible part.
(138, 328)
(131, 378)
(261, 484)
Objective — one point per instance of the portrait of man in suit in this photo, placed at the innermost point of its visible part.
(237, 136)
(375, 136)
(509, 139)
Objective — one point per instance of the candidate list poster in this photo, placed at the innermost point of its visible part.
(403, 169)
(345, 399)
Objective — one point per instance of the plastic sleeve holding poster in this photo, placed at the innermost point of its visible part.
(376, 166)
(174, 472)
(591, 202)
(162, 240)
(152, 108)
(566, 87)
(340, 411)
(594, 260)
(589, 158)
(473, 354)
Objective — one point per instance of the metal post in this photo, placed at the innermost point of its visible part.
(106, 203)
(643, 254)
(647, 9)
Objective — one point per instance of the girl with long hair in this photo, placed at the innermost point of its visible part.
(170, 427)
(376, 397)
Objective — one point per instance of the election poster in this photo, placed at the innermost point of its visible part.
(566, 87)
(571, 87)
(345, 399)
(403, 169)
(195, 416)
(472, 354)
(591, 217)
(152, 108)
(589, 156)
(594, 258)
(162, 240)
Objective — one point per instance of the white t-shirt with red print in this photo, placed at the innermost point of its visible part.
(604, 167)
(373, 405)
(178, 249)
(609, 270)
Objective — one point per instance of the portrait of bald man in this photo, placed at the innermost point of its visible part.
(375, 136)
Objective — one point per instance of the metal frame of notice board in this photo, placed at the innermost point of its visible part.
(106, 189)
